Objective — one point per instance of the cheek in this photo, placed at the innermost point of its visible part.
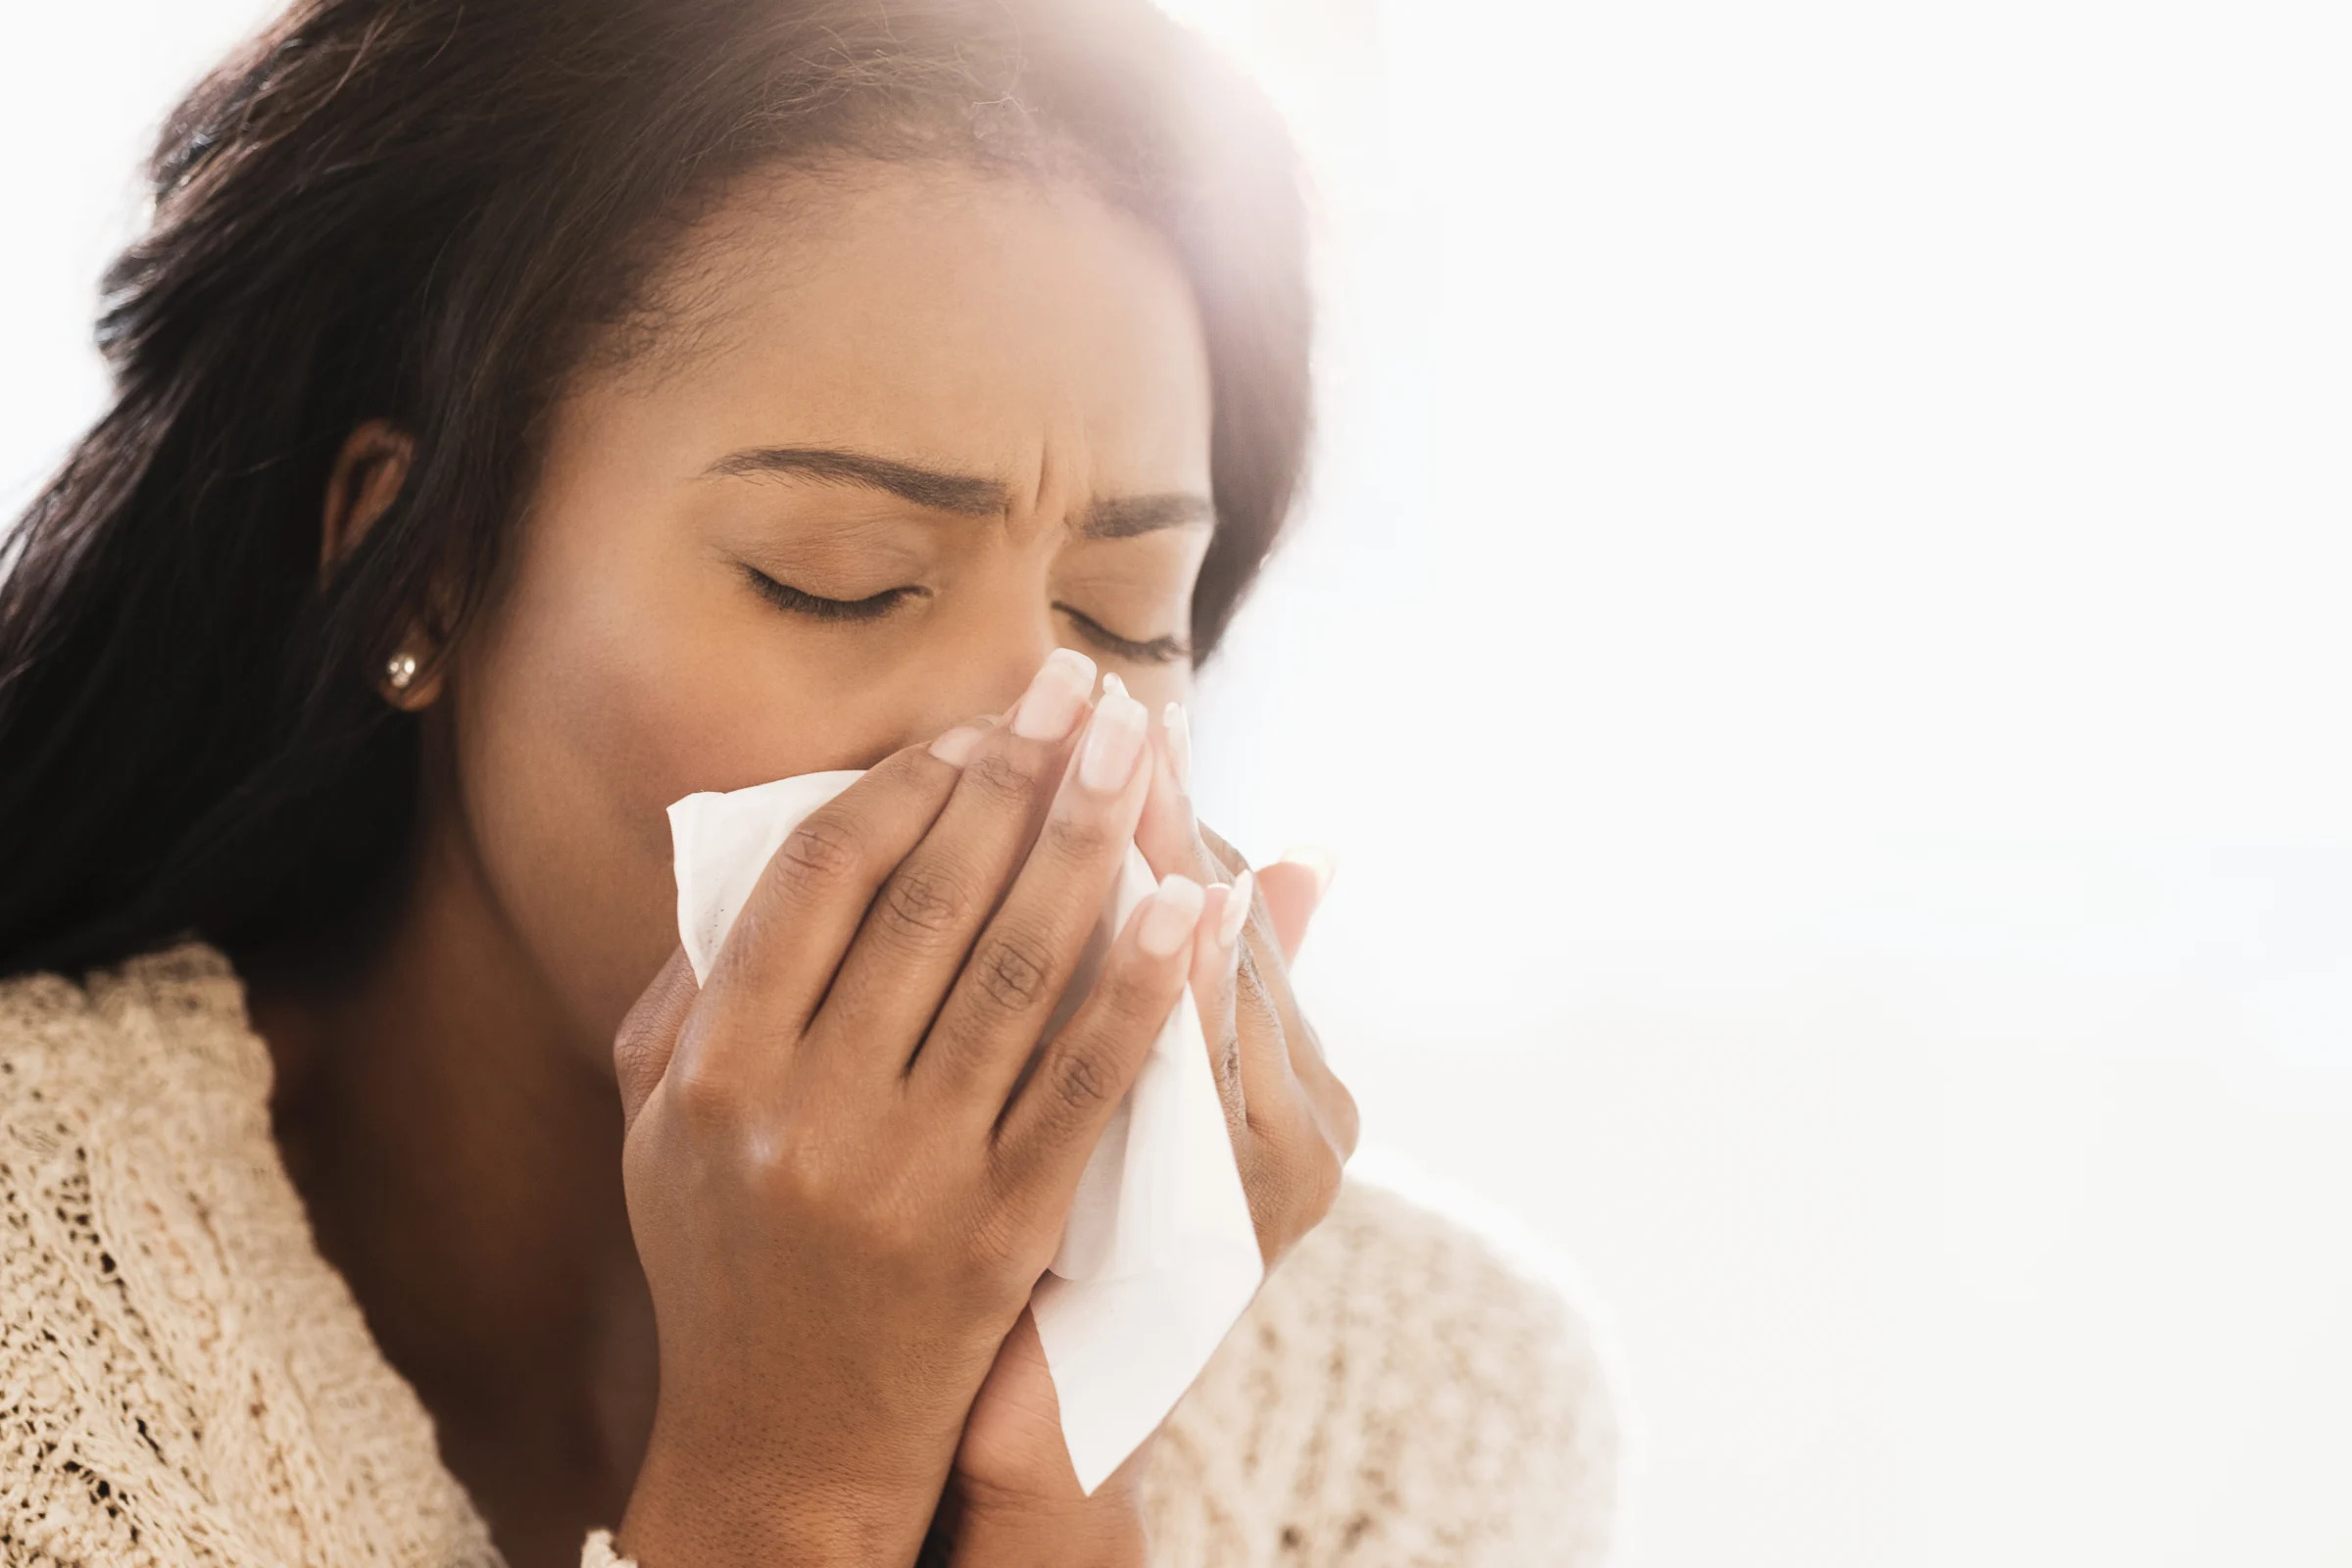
(610, 681)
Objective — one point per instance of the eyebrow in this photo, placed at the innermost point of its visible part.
(1125, 517)
(966, 495)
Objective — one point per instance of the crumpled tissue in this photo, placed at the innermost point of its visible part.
(1158, 1256)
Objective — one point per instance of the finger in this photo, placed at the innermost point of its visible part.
(1220, 850)
(1165, 831)
(1324, 1096)
(1241, 1018)
(1264, 994)
(641, 1048)
(1215, 980)
(1021, 1386)
(1252, 1023)
(915, 939)
(1263, 1022)
(1055, 1120)
(782, 952)
(1292, 890)
(1004, 1002)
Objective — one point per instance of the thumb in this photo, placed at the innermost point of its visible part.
(641, 1046)
(1293, 888)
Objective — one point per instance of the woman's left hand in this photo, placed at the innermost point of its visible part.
(1015, 1497)
(1293, 1122)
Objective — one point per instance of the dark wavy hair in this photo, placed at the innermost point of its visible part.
(427, 211)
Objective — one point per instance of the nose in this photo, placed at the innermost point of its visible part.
(982, 678)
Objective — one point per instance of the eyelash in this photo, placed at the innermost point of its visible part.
(1155, 651)
(818, 608)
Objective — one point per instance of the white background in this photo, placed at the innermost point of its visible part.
(1819, 641)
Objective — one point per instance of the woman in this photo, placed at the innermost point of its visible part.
(529, 414)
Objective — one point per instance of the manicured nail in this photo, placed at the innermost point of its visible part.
(1168, 921)
(955, 747)
(1056, 694)
(1316, 859)
(1180, 741)
(1237, 909)
(1113, 741)
(1112, 683)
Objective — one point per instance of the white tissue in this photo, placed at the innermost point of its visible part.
(1158, 1256)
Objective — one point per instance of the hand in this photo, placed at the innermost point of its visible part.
(1294, 1123)
(843, 1178)
(1015, 1499)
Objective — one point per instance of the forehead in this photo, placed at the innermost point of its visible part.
(993, 323)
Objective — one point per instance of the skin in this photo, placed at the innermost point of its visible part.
(744, 1267)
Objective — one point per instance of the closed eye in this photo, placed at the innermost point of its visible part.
(1151, 651)
(817, 607)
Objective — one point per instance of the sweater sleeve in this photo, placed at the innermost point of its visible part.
(1398, 1395)
(184, 1381)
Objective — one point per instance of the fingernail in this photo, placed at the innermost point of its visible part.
(1237, 907)
(1113, 684)
(1113, 741)
(1316, 859)
(1055, 696)
(955, 747)
(1168, 921)
(1180, 741)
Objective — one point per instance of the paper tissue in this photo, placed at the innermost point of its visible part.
(1158, 1256)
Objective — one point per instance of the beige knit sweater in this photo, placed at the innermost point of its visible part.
(185, 1380)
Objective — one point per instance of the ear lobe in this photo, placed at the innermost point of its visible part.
(365, 480)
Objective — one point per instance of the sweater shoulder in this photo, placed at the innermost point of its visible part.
(154, 1049)
(1403, 1390)
(183, 1379)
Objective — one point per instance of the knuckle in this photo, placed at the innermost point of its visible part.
(784, 1166)
(1011, 972)
(637, 1043)
(707, 1099)
(1001, 777)
(801, 1173)
(1081, 1082)
(1075, 839)
(637, 1066)
(921, 905)
(636, 1034)
(822, 850)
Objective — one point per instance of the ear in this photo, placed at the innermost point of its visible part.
(367, 475)
(365, 480)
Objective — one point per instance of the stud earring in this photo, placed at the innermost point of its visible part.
(401, 670)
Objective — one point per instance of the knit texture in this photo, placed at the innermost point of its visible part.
(185, 1380)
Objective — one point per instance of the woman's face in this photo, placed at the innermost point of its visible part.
(905, 430)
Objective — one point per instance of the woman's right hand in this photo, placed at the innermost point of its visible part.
(841, 1178)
